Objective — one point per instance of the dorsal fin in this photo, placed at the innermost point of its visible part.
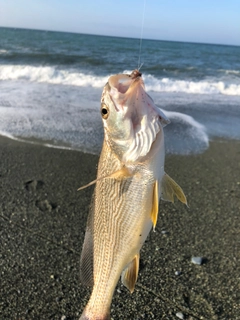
(86, 261)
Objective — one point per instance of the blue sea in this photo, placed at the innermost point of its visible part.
(51, 84)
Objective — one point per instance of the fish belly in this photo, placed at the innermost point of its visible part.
(121, 223)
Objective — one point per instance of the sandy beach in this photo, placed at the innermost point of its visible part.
(42, 225)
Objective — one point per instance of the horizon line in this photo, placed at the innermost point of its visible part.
(123, 37)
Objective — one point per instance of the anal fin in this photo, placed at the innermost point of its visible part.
(154, 212)
(169, 189)
(130, 274)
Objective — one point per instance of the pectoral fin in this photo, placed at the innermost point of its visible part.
(154, 212)
(89, 184)
(169, 188)
(123, 173)
(130, 274)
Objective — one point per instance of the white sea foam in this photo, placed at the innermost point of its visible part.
(230, 71)
(50, 75)
(49, 145)
(200, 87)
(8, 135)
(55, 75)
(185, 135)
(198, 128)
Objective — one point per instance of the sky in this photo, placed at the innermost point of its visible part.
(205, 21)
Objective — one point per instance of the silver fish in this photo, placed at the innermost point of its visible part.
(130, 181)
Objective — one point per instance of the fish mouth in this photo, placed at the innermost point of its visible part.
(127, 91)
(121, 83)
(124, 83)
(135, 74)
(120, 89)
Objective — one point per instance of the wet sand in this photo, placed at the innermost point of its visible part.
(42, 224)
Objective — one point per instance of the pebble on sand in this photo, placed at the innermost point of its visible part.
(180, 315)
(197, 260)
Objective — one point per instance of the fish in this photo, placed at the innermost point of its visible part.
(130, 182)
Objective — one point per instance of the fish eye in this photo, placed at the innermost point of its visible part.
(104, 111)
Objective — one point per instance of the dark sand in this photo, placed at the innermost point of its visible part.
(42, 227)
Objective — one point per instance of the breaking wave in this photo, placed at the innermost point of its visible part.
(3, 51)
(201, 87)
(184, 135)
(55, 75)
(51, 75)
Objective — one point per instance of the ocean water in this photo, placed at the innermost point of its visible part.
(51, 84)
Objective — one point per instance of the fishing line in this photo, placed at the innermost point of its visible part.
(140, 43)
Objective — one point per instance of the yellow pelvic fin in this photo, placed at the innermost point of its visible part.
(169, 188)
(154, 212)
(130, 274)
(123, 173)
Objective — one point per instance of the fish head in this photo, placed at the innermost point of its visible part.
(130, 118)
